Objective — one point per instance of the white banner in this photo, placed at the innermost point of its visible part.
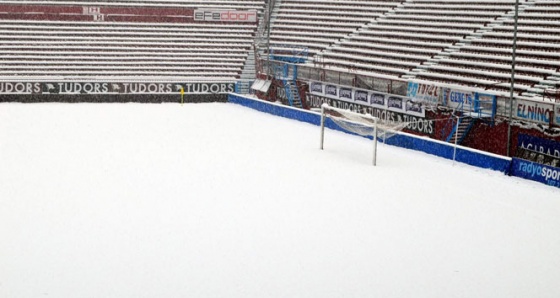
(400, 104)
(533, 111)
(429, 94)
(455, 99)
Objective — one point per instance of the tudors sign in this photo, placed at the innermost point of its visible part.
(417, 124)
(114, 88)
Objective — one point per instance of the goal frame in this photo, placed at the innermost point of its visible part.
(325, 107)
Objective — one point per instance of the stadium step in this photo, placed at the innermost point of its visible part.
(461, 131)
(292, 90)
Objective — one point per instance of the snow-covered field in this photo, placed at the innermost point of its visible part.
(217, 200)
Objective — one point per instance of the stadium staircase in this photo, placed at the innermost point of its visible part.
(248, 74)
(459, 131)
(292, 93)
(282, 73)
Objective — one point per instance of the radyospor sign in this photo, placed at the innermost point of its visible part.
(534, 111)
(536, 172)
(417, 124)
(114, 88)
(242, 16)
(399, 104)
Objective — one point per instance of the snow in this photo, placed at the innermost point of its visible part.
(217, 200)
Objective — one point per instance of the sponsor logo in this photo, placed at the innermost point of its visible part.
(395, 102)
(460, 97)
(534, 111)
(361, 95)
(416, 124)
(76, 88)
(346, 93)
(413, 106)
(539, 145)
(316, 87)
(19, 88)
(114, 88)
(377, 99)
(332, 90)
(369, 98)
(537, 172)
(423, 92)
(225, 15)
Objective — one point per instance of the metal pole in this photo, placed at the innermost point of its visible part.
(322, 125)
(270, 6)
(375, 141)
(512, 77)
(456, 133)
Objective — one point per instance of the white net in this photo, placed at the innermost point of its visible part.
(355, 123)
(363, 124)
(387, 129)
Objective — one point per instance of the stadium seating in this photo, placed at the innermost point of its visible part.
(317, 24)
(235, 4)
(459, 43)
(453, 42)
(485, 60)
(40, 48)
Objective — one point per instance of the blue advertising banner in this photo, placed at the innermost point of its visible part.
(536, 172)
(539, 145)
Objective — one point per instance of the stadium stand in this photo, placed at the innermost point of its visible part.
(413, 33)
(450, 42)
(455, 43)
(236, 4)
(318, 24)
(131, 41)
(485, 59)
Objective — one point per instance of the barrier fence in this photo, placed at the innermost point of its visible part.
(510, 166)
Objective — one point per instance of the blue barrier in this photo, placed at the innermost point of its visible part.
(465, 155)
(515, 167)
(535, 171)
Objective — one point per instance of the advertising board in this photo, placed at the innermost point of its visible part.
(400, 104)
(429, 94)
(23, 88)
(213, 15)
(533, 111)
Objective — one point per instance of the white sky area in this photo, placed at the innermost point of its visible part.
(218, 200)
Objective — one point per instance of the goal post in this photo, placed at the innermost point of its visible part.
(361, 124)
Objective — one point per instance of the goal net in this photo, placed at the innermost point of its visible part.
(361, 124)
